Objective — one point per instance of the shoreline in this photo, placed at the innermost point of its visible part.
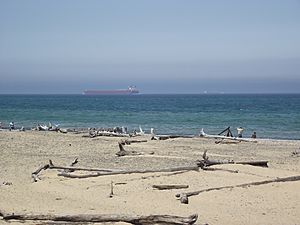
(77, 130)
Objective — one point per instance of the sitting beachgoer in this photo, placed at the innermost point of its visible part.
(253, 135)
(240, 132)
(11, 126)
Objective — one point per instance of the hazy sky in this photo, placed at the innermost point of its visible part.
(161, 46)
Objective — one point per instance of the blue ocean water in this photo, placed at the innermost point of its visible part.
(270, 115)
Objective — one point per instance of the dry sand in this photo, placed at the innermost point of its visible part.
(23, 152)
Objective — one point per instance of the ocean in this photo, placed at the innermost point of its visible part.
(270, 115)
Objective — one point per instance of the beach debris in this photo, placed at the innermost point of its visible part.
(295, 153)
(67, 169)
(256, 183)
(206, 162)
(93, 218)
(166, 137)
(184, 198)
(111, 189)
(227, 141)
(204, 135)
(51, 127)
(108, 132)
(123, 152)
(35, 174)
(22, 129)
(74, 162)
(140, 132)
(129, 142)
(6, 183)
(61, 130)
(108, 173)
(169, 186)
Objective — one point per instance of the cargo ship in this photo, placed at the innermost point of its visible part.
(129, 91)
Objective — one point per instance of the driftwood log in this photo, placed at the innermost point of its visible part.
(67, 169)
(34, 174)
(187, 168)
(277, 180)
(75, 161)
(123, 152)
(169, 186)
(165, 137)
(128, 142)
(206, 162)
(97, 133)
(137, 220)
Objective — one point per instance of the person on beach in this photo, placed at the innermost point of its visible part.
(11, 126)
(253, 135)
(240, 132)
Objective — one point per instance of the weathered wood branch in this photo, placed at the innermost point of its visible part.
(137, 220)
(277, 180)
(34, 174)
(188, 168)
(75, 161)
(169, 186)
(123, 152)
(219, 169)
(128, 142)
(165, 137)
(83, 169)
(206, 162)
(67, 169)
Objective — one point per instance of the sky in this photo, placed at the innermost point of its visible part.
(161, 46)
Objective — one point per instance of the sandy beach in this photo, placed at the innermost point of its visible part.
(273, 203)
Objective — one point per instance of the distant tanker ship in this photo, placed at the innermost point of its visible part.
(129, 91)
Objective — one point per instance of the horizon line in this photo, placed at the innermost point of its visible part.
(157, 93)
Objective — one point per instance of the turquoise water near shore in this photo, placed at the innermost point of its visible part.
(270, 115)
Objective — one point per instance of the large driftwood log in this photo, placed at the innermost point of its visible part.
(285, 179)
(169, 186)
(188, 168)
(206, 162)
(137, 220)
(165, 137)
